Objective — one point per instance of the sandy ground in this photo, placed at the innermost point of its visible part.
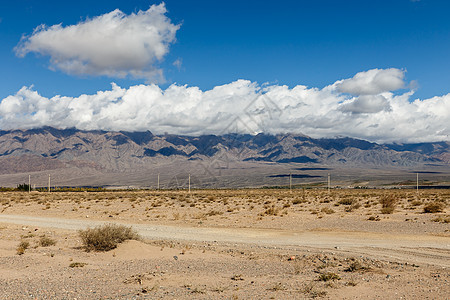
(245, 244)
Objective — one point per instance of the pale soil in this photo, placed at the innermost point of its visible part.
(227, 244)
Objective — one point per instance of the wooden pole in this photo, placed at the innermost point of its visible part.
(329, 183)
(49, 183)
(189, 183)
(417, 183)
(290, 182)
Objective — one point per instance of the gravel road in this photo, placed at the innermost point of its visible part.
(423, 249)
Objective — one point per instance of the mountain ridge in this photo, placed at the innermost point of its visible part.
(121, 152)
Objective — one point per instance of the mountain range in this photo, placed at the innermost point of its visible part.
(106, 152)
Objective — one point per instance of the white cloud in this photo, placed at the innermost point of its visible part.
(373, 82)
(366, 104)
(178, 63)
(113, 44)
(241, 106)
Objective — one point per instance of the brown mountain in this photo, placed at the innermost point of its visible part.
(113, 158)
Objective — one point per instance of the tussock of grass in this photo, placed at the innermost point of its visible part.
(106, 237)
(22, 247)
(442, 219)
(328, 276)
(356, 266)
(45, 241)
(77, 265)
(347, 201)
(388, 203)
(433, 207)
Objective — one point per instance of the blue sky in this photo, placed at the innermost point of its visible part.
(287, 42)
(311, 43)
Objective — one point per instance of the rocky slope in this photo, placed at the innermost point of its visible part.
(50, 148)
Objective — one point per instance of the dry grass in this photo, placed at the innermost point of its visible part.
(225, 207)
(106, 237)
(388, 203)
(328, 276)
(24, 245)
(45, 241)
(433, 207)
(77, 265)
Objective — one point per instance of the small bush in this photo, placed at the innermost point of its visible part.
(347, 201)
(298, 201)
(106, 237)
(387, 210)
(45, 241)
(271, 211)
(433, 207)
(388, 203)
(22, 247)
(416, 203)
(313, 292)
(355, 266)
(77, 265)
(352, 207)
(328, 276)
(327, 210)
(441, 219)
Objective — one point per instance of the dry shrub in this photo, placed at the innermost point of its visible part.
(416, 203)
(214, 212)
(313, 292)
(106, 237)
(270, 211)
(347, 201)
(442, 219)
(327, 210)
(299, 201)
(45, 241)
(352, 207)
(77, 265)
(388, 203)
(433, 207)
(328, 276)
(356, 266)
(22, 247)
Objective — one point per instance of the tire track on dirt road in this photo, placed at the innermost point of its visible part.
(418, 249)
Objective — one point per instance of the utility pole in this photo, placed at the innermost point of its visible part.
(158, 181)
(329, 182)
(189, 183)
(417, 182)
(29, 183)
(290, 182)
(49, 183)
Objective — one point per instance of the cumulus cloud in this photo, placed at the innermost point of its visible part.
(366, 104)
(241, 106)
(113, 44)
(373, 82)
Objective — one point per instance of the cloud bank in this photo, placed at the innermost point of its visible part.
(113, 44)
(365, 106)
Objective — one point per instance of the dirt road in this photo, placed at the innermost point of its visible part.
(414, 249)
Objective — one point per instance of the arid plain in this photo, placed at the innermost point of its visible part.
(229, 244)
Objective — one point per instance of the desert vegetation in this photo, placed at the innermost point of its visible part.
(277, 208)
(106, 237)
(165, 268)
